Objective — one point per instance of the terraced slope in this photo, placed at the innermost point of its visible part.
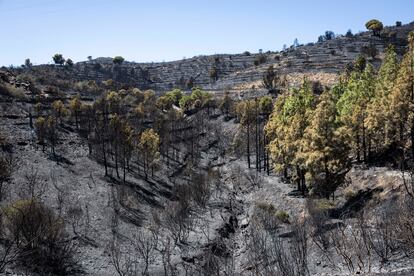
(239, 72)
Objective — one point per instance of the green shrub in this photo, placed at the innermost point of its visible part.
(269, 216)
(282, 216)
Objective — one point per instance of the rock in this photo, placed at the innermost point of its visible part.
(187, 259)
(244, 223)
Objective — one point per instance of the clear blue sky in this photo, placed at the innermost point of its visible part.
(157, 30)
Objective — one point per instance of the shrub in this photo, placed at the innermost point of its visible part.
(317, 87)
(360, 63)
(190, 83)
(247, 53)
(12, 91)
(213, 73)
(282, 216)
(389, 34)
(260, 59)
(324, 204)
(175, 95)
(369, 50)
(186, 102)
(41, 241)
(6, 168)
(349, 193)
(264, 215)
(268, 207)
(164, 102)
(268, 216)
(88, 86)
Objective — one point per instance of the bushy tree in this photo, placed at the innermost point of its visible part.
(375, 26)
(75, 106)
(402, 98)
(329, 35)
(69, 62)
(51, 133)
(226, 104)
(271, 80)
(58, 59)
(213, 73)
(28, 63)
(286, 128)
(114, 101)
(148, 147)
(325, 147)
(118, 60)
(59, 110)
(265, 105)
(352, 108)
(196, 100)
(349, 33)
(378, 124)
(120, 134)
(169, 99)
(360, 63)
(40, 126)
(245, 111)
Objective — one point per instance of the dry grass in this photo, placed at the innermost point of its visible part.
(295, 79)
(12, 91)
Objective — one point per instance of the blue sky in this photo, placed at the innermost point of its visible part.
(159, 30)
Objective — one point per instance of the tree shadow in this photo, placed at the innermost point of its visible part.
(142, 193)
(354, 204)
(60, 159)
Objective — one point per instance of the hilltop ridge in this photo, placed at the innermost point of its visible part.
(322, 60)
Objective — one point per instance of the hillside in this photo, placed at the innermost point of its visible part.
(149, 174)
(325, 60)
